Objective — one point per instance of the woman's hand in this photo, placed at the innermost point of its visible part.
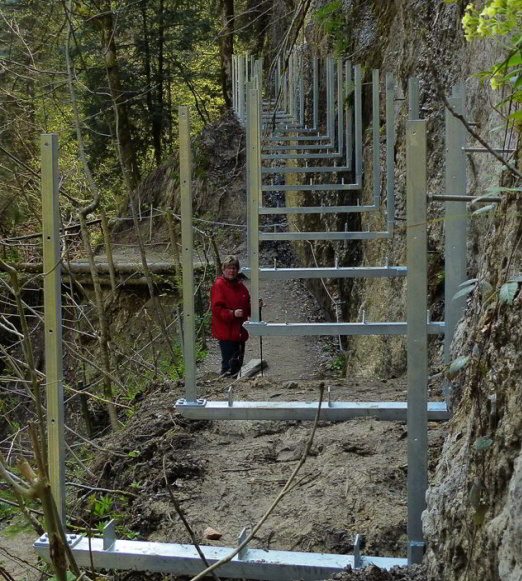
(238, 313)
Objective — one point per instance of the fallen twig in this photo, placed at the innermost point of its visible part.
(185, 522)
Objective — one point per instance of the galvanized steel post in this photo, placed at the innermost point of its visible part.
(315, 92)
(376, 139)
(358, 124)
(53, 319)
(340, 107)
(456, 218)
(417, 333)
(413, 99)
(254, 188)
(390, 142)
(330, 97)
(349, 114)
(187, 245)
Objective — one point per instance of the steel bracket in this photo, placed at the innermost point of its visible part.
(191, 404)
(43, 541)
(357, 558)
(242, 555)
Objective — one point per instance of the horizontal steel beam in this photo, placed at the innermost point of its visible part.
(325, 169)
(393, 411)
(286, 130)
(324, 235)
(317, 209)
(179, 559)
(487, 150)
(342, 272)
(296, 147)
(311, 188)
(303, 156)
(303, 329)
(483, 200)
(299, 138)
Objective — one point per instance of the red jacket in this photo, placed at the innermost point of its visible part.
(227, 296)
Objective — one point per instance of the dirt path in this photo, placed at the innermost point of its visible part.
(288, 358)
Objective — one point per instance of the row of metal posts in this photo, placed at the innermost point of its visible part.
(455, 253)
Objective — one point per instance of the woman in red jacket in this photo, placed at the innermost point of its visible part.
(230, 309)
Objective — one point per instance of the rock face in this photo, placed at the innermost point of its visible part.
(473, 522)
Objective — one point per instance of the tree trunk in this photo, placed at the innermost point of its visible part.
(157, 118)
(154, 108)
(226, 49)
(128, 157)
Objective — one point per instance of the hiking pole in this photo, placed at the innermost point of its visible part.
(261, 337)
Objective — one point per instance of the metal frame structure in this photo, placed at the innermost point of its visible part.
(250, 563)
(417, 410)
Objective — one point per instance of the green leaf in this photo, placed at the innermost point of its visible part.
(464, 291)
(469, 281)
(516, 59)
(516, 114)
(482, 444)
(502, 189)
(484, 210)
(456, 366)
(508, 292)
(134, 453)
(480, 514)
(70, 577)
(485, 287)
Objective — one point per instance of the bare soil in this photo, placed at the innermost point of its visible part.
(226, 474)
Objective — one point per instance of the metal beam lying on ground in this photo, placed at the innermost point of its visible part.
(393, 411)
(181, 559)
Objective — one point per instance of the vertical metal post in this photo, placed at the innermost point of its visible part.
(330, 95)
(187, 260)
(301, 91)
(53, 319)
(340, 107)
(413, 99)
(249, 130)
(455, 223)
(376, 138)
(358, 124)
(349, 114)
(417, 337)
(255, 189)
(241, 89)
(315, 92)
(291, 85)
(234, 82)
(278, 79)
(390, 142)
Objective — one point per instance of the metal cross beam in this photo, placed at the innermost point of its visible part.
(392, 411)
(180, 559)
